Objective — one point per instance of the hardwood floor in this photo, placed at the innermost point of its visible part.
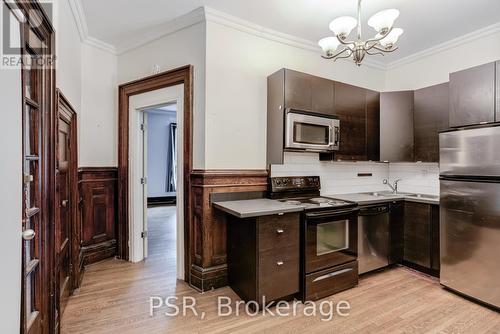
(114, 298)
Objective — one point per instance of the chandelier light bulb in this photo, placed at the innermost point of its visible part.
(391, 39)
(383, 20)
(342, 26)
(329, 44)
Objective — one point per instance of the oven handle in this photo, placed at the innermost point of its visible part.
(335, 273)
(330, 213)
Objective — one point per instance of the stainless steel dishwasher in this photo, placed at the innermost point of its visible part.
(373, 237)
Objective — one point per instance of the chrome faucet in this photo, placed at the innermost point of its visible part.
(393, 187)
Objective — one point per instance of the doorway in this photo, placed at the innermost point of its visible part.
(179, 76)
(155, 132)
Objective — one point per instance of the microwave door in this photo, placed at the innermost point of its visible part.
(310, 133)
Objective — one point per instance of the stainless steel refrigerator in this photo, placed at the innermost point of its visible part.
(470, 212)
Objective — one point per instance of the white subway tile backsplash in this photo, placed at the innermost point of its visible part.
(342, 177)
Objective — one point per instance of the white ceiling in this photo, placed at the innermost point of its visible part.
(427, 23)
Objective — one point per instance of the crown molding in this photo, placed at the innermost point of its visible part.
(230, 21)
(182, 22)
(470, 37)
(81, 24)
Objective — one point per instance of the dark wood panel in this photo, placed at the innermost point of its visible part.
(417, 247)
(430, 116)
(472, 96)
(350, 102)
(396, 233)
(372, 125)
(98, 212)
(396, 126)
(208, 226)
(279, 272)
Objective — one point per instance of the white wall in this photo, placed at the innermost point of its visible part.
(69, 54)
(420, 178)
(10, 198)
(98, 117)
(238, 64)
(158, 151)
(436, 67)
(184, 47)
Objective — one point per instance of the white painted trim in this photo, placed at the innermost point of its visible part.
(81, 24)
(177, 24)
(230, 21)
(204, 14)
(470, 37)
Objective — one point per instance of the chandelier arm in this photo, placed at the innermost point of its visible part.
(342, 57)
(344, 42)
(338, 53)
(385, 50)
(376, 39)
(374, 53)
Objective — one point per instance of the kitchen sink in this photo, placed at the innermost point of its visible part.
(381, 193)
(422, 196)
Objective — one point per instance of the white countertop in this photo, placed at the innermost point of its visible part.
(256, 207)
(370, 198)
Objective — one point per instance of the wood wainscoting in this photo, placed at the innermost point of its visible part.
(98, 213)
(208, 226)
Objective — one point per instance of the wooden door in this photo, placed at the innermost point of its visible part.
(37, 41)
(372, 125)
(63, 209)
(417, 232)
(472, 96)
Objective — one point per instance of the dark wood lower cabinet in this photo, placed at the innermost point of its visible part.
(97, 213)
(207, 263)
(421, 237)
(263, 256)
(396, 232)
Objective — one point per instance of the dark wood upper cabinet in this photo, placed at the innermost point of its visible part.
(307, 92)
(472, 96)
(372, 125)
(430, 117)
(350, 107)
(396, 126)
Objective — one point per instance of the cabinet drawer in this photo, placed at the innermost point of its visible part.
(279, 272)
(277, 232)
(327, 282)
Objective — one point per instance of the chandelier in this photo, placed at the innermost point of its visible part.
(383, 42)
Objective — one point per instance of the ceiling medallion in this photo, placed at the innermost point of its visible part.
(383, 42)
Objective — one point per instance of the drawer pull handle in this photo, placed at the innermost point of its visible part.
(281, 214)
(279, 263)
(335, 273)
(280, 231)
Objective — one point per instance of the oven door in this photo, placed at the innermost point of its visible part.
(331, 238)
(315, 133)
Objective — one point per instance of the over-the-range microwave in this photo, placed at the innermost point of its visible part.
(312, 132)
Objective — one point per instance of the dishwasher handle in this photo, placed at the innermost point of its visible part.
(373, 210)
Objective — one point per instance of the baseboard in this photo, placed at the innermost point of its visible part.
(165, 200)
(99, 252)
(205, 279)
